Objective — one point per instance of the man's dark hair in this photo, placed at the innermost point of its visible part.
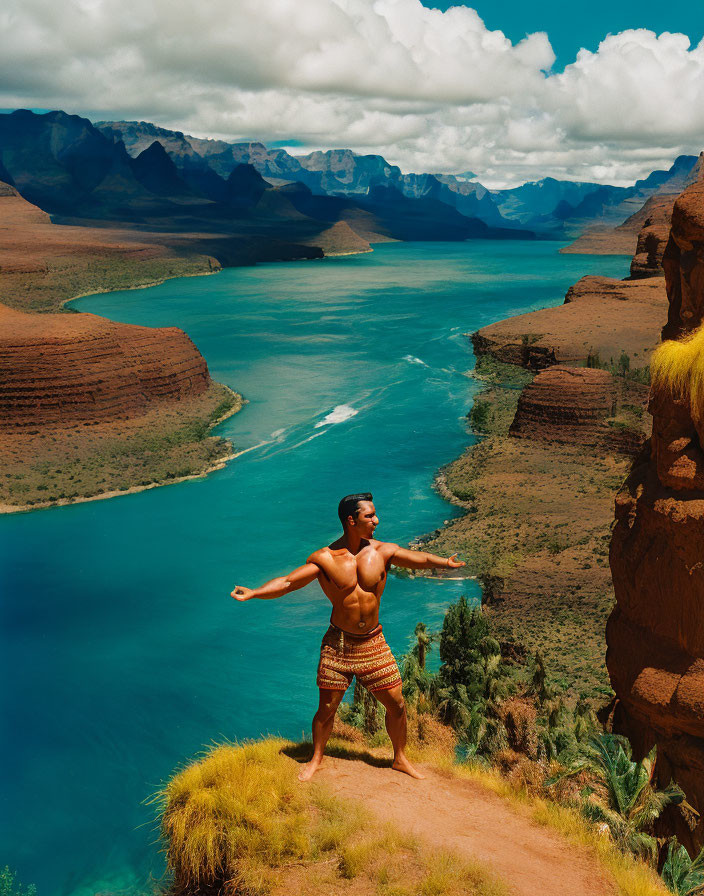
(349, 505)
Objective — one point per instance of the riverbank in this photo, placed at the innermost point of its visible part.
(536, 535)
(538, 488)
(166, 448)
(154, 402)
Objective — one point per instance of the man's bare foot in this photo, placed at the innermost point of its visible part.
(401, 764)
(309, 769)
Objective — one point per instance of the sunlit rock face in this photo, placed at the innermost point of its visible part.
(566, 404)
(652, 237)
(655, 634)
(82, 369)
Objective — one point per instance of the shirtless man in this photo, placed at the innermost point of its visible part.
(352, 572)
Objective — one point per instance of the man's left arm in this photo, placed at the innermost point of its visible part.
(422, 559)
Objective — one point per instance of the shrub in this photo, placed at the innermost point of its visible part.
(624, 364)
(682, 874)
(480, 415)
(593, 359)
(519, 717)
(463, 630)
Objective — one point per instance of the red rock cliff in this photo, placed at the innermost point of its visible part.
(655, 634)
(80, 368)
(566, 404)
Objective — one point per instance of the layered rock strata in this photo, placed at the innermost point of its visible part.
(69, 369)
(568, 405)
(600, 315)
(655, 634)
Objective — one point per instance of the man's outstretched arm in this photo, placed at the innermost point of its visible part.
(299, 578)
(423, 560)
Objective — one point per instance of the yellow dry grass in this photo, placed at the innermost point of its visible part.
(631, 876)
(237, 821)
(677, 366)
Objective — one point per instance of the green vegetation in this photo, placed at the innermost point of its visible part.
(682, 874)
(493, 372)
(619, 794)
(161, 446)
(480, 415)
(74, 274)
(620, 368)
(537, 530)
(10, 886)
(238, 822)
(516, 735)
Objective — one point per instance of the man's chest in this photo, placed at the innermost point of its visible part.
(365, 569)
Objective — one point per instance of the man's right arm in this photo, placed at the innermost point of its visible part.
(299, 578)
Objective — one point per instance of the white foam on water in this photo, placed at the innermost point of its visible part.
(413, 360)
(251, 448)
(337, 415)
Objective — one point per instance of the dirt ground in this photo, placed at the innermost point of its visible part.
(466, 819)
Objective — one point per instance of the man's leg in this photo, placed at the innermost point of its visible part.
(393, 702)
(323, 721)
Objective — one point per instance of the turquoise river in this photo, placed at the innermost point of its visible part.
(121, 652)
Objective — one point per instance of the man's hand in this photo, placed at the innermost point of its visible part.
(239, 592)
(453, 563)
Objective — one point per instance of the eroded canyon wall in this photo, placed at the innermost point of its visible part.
(79, 368)
(655, 634)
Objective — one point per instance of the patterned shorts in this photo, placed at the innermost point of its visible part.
(368, 657)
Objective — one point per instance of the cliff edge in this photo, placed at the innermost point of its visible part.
(655, 634)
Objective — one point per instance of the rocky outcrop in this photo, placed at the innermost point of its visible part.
(643, 235)
(655, 634)
(578, 406)
(604, 241)
(652, 237)
(649, 198)
(565, 404)
(79, 368)
(600, 316)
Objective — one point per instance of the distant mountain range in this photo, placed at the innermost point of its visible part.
(549, 207)
(246, 201)
(237, 202)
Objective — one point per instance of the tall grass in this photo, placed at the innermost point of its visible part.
(677, 366)
(237, 821)
(229, 817)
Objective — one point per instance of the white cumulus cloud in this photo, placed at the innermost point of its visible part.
(430, 90)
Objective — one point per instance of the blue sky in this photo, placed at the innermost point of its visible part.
(571, 26)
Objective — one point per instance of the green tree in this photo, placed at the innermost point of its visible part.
(680, 873)
(473, 680)
(462, 631)
(585, 722)
(593, 359)
(368, 709)
(480, 415)
(454, 705)
(416, 681)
